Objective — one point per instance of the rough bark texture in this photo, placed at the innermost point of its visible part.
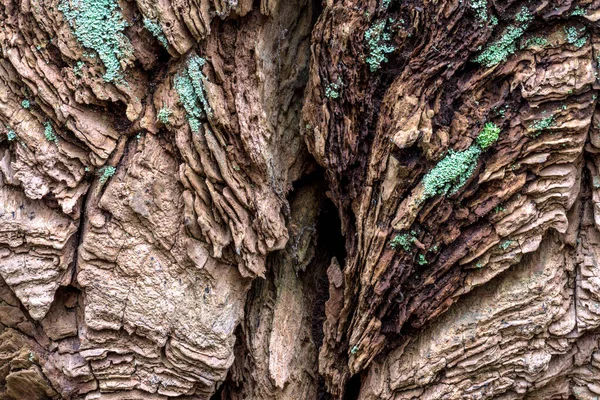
(289, 199)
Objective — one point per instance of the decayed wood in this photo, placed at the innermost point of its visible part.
(294, 199)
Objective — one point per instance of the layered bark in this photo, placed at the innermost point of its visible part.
(289, 199)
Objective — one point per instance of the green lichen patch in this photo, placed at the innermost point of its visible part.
(77, 68)
(106, 172)
(578, 12)
(523, 16)
(155, 29)
(543, 124)
(11, 134)
(480, 8)
(26, 104)
(500, 111)
(189, 85)
(98, 25)
(501, 49)
(506, 244)
(49, 133)
(421, 260)
(452, 172)
(536, 41)
(332, 91)
(488, 135)
(378, 45)
(574, 36)
(404, 240)
(163, 115)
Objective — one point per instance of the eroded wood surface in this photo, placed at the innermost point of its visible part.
(299, 200)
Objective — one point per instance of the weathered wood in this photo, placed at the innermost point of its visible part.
(294, 200)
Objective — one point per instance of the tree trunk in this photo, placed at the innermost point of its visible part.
(283, 199)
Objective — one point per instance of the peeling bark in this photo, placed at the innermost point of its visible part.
(210, 199)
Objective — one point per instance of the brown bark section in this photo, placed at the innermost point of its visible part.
(275, 236)
(386, 129)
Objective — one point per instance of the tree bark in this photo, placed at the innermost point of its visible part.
(347, 199)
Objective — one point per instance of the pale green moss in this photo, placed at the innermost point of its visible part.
(422, 260)
(506, 244)
(26, 104)
(488, 135)
(49, 133)
(189, 85)
(378, 45)
(578, 11)
(99, 26)
(155, 29)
